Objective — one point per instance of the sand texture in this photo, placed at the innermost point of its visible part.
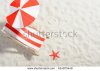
(82, 16)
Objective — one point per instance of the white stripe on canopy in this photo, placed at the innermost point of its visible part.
(33, 10)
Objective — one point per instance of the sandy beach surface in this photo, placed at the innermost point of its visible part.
(81, 16)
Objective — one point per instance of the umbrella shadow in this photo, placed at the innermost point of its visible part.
(9, 45)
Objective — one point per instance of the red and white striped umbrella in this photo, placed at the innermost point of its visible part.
(22, 13)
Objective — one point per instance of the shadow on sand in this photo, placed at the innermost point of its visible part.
(7, 43)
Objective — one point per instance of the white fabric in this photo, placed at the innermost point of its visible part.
(23, 2)
(33, 10)
(12, 9)
(18, 23)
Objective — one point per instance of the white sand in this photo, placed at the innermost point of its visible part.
(82, 16)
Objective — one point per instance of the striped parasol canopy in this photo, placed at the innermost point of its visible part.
(22, 13)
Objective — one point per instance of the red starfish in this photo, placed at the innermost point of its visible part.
(55, 55)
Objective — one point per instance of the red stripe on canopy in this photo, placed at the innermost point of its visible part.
(15, 3)
(31, 3)
(11, 18)
(27, 19)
